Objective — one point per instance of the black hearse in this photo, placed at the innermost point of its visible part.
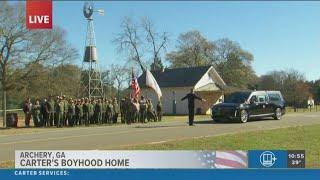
(243, 105)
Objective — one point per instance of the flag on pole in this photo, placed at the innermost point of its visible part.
(135, 89)
(152, 83)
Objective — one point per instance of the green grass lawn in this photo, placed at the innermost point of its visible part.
(296, 138)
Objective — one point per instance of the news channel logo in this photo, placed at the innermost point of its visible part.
(268, 158)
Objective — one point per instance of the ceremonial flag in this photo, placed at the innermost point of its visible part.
(152, 83)
(135, 89)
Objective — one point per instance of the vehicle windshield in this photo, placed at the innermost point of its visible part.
(237, 97)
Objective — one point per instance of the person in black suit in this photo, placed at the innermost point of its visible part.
(191, 97)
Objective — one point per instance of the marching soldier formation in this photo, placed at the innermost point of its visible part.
(62, 111)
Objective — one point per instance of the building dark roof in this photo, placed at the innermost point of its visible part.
(178, 77)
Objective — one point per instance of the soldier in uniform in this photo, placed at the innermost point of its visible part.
(55, 117)
(109, 112)
(85, 108)
(104, 110)
(159, 110)
(130, 112)
(143, 109)
(136, 110)
(82, 122)
(62, 111)
(150, 112)
(116, 110)
(78, 113)
(122, 110)
(94, 116)
(36, 113)
(51, 111)
(71, 112)
(91, 111)
(98, 111)
(126, 109)
(44, 113)
(191, 97)
(65, 110)
(59, 112)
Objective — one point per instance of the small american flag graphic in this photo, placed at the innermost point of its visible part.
(231, 159)
(206, 159)
(135, 89)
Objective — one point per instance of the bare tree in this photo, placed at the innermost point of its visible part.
(158, 42)
(120, 76)
(108, 82)
(21, 48)
(129, 41)
(135, 40)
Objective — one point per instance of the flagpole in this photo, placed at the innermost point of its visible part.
(131, 84)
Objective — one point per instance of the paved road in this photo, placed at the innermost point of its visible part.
(106, 137)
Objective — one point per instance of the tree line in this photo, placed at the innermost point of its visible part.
(138, 41)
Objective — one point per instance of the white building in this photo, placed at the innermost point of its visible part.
(176, 83)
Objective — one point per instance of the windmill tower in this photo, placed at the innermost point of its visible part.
(92, 85)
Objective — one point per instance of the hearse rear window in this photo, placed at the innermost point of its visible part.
(274, 97)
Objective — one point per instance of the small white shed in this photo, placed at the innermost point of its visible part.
(176, 83)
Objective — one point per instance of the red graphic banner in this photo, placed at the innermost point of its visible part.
(39, 14)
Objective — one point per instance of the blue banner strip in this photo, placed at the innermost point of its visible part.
(154, 174)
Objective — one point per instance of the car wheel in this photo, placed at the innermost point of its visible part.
(216, 120)
(277, 114)
(244, 116)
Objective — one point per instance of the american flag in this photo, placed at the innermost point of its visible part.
(222, 159)
(206, 159)
(135, 89)
(231, 159)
